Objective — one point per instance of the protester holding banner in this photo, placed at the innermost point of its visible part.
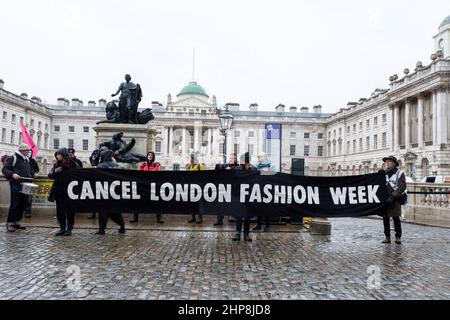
(245, 165)
(107, 162)
(264, 166)
(231, 165)
(16, 169)
(35, 170)
(73, 157)
(149, 165)
(194, 165)
(64, 214)
(396, 188)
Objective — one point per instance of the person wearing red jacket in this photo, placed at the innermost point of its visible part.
(149, 165)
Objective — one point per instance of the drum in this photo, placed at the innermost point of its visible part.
(28, 188)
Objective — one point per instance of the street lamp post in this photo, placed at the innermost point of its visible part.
(226, 120)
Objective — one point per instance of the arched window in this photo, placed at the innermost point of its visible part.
(425, 167)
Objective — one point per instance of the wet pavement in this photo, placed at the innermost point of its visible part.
(178, 260)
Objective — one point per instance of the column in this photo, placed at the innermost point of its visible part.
(435, 116)
(208, 145)
(441, 107)
(170, 145)
(420, 140)
(184, 143)
(396, 127)
(230, 143)
(407, 123)
(196, 137)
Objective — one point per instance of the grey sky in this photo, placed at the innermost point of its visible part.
(298, 53)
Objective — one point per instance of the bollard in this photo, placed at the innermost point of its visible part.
(320, 227)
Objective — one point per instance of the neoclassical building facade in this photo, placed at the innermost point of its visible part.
(409, 119)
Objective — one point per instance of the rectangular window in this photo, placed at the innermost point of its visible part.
(71, 129)
(20, 138)
(367, 143)
(306, 151)
(383, 140)
(85, 129)
(70, 143)
(354, 146)
(360, 126)
(21, 119)
(320, 136)
(46, 127)
(13, 119)
(39, 125)
(354, 128)
(375, 121)
(13, 136)
(221, 148)
(348, 146)
(203, 113)
(56, 144)
(158, 147)
(320, 151)
(236, 148)
(57, 128)
(292, 150)
(85, 145)
(293, 135)
(360, 145)
(250, 149)
(348, 129)
(237, 134)
(3, 135)
(31, 123)
(306, 135)
(375, 142)
(45, 142)
(367, 124)
(340, 132)
(5, 115)
(191, 112)
(383, 118)
(251, 134)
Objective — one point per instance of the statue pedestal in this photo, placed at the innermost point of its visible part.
(143, 135)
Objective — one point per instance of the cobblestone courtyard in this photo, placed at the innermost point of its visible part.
(203, 263)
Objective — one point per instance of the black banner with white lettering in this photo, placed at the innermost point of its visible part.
(230, 193)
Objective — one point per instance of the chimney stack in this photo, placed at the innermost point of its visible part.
(293, 109)
(317, 109)
(304, 110)
(102, 103)
(254, 107)
(24, 95)
(280, 108)
(61, 102)
(1, 83)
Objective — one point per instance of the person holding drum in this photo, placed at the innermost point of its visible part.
(65, 216)
(18, 171)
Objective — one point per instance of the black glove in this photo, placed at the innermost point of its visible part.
(390, 200)
(382, 171)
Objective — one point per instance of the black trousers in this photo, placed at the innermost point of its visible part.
(220, 219)
(136, 216)
(28, 206)
(66, 218)
(200, 217)
(259, 221)
(104, 217)
(397, 227)
(239, 225)
(18, 203)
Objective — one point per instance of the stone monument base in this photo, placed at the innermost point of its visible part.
(143, 135)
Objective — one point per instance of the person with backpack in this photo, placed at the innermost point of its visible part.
(149, 165)
(17, 169)
(396, 188)
(65, 216)
(194, 165)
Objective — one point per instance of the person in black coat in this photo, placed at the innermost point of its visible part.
(65, 216)
(17, 169)
(106, 162)
(35, 171)
(74, 158)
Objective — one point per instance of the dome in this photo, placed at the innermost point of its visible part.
(445, 22)
(193, 89)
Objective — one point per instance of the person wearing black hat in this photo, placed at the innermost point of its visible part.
(245, 165)
(74, 158)
(65, 216)
(396, 188)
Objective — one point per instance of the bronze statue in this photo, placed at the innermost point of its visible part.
(130, 97)
(121, 149)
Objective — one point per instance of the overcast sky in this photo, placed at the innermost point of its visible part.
(299, 53)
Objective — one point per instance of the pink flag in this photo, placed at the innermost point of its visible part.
(28, 140)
